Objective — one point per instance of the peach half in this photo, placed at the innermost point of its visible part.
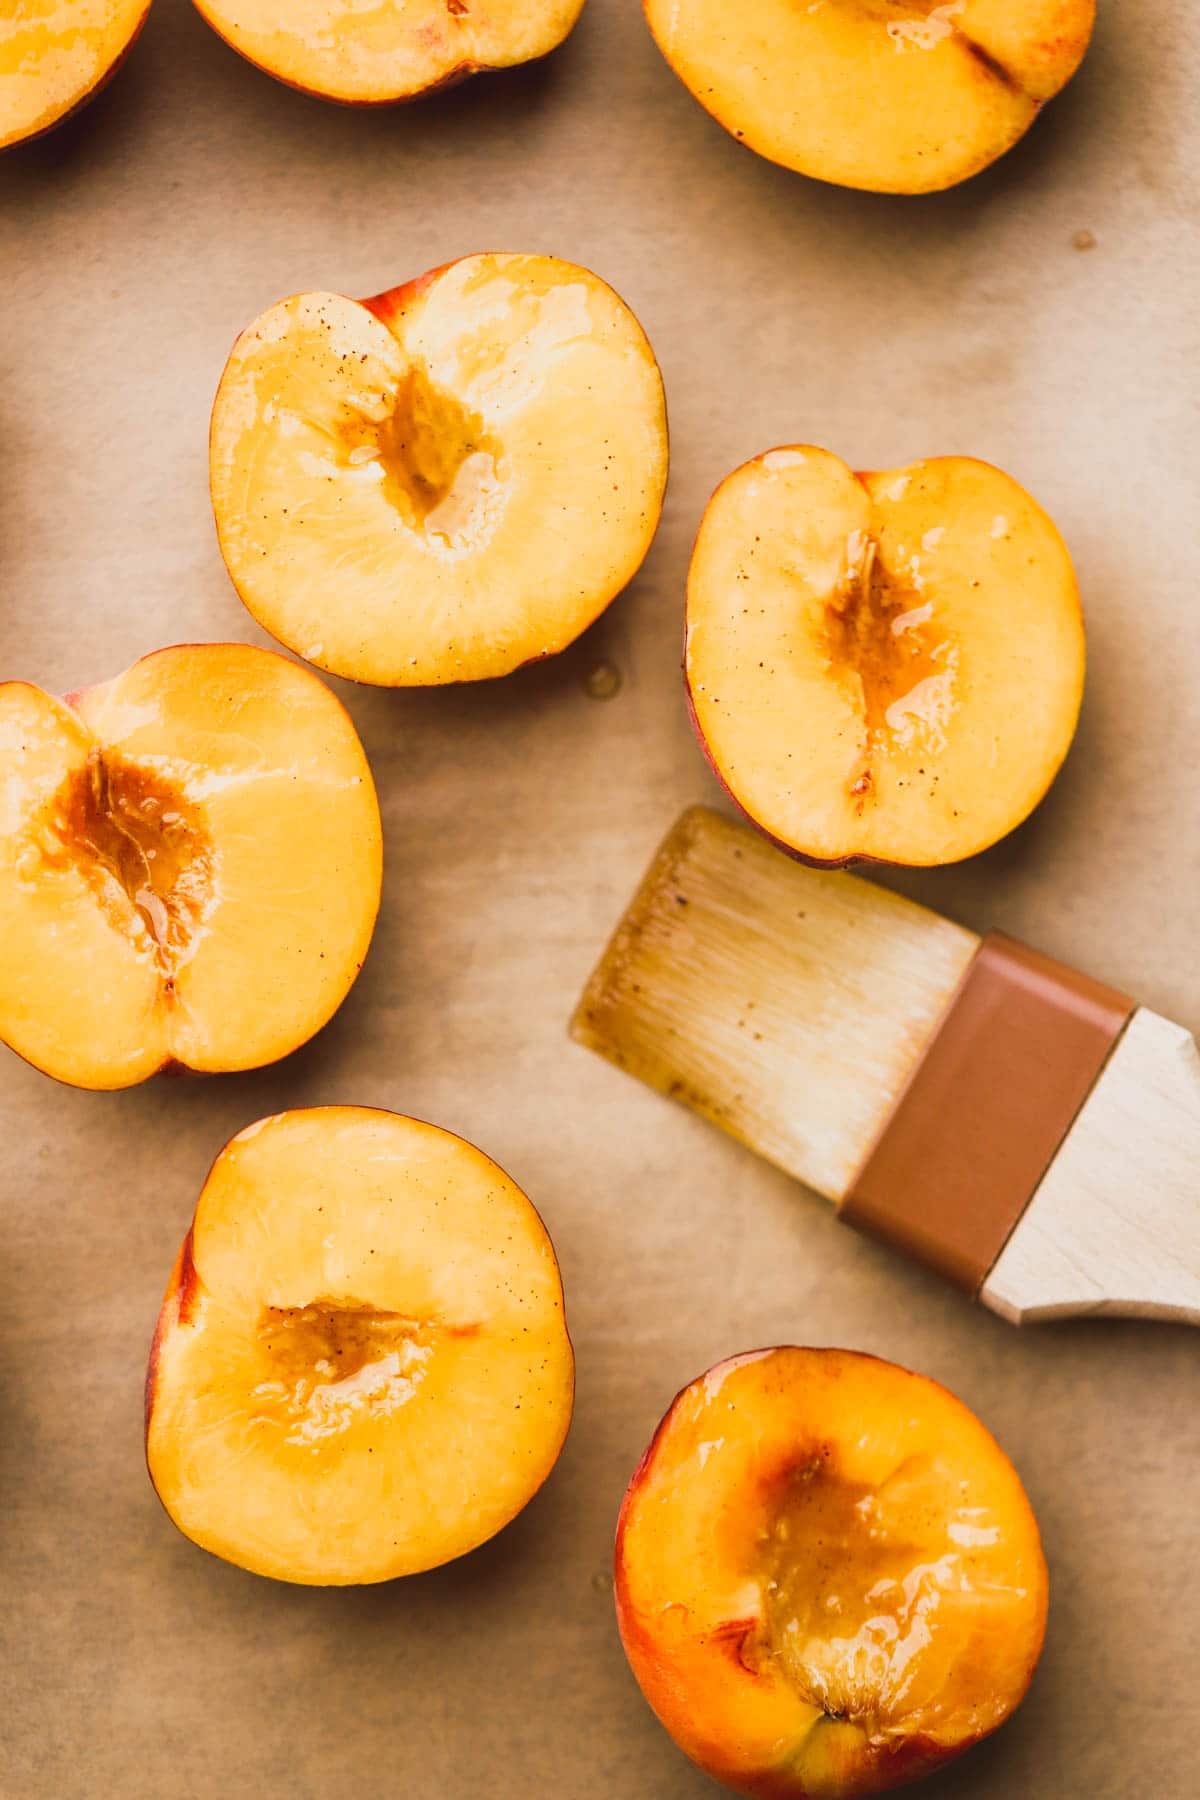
(829, 1579)
(190, 865)
(446, 481)
(361, 1367)
(393, 50)
(898, 96)
(882, 666)
(55, 55)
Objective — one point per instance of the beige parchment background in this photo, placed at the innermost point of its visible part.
(135, 244)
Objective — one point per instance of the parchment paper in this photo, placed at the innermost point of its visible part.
(136, 242)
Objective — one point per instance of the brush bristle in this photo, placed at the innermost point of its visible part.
(786, 1004)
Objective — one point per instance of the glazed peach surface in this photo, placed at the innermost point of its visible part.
(361, 1367)
(829, 1579)
(371, 55)
(190, 865)
(899, 96)
(55, 54)
(446, 481)
(885, 666)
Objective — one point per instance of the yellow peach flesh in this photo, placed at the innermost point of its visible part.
(829, 1578)
(900, 96)
(887, 666)
(190, 866)
(54, 54)
(395, 50)
(444, 482)
(361, 1367)
(136, 838)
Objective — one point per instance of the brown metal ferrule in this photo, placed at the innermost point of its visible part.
(996, 1091)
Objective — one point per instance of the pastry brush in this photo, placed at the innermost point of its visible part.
(1023, 1129)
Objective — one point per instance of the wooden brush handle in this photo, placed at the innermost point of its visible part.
(1114, 1226)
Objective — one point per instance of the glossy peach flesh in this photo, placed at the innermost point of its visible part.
(437, 457)
(880, 644)
(136, 840)
(443, 482)
(845, 1596)
(885, 666)
(824, 1589)
(379, 55)
(58, 54)
(875, 94)
(360, 1368)
(189, 865)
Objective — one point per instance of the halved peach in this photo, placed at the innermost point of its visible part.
(395, 50)
(899, 96)
(361, 1367)
(829, 1579)
(55, 54)
(882, 666)
(446, 481)
(190, 865)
